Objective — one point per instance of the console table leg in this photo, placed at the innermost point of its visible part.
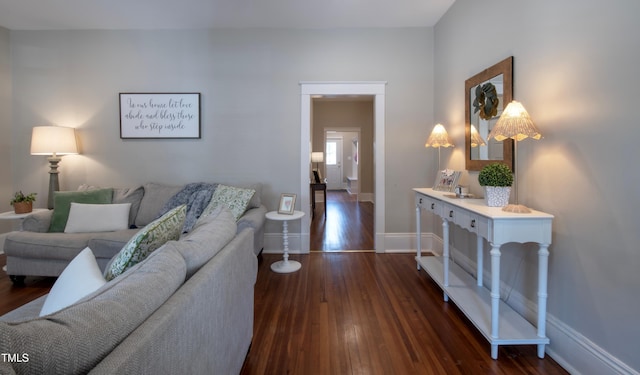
(495, 290)
(418, 237)
(445, 255)
(543, 265)
(479, 259)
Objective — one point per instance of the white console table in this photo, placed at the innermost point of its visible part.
(497, 321)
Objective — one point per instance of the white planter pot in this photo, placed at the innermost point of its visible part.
(497, 196)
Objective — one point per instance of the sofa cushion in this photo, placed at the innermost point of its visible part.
(108, 244)
(154, 199)
(62, 203)
(255, 199)
(85, 217)
(129, 195)
(166, 228)
(208, 237)
(62, 246)
(81, 277)
(235, 198)
(75, 339)
(123, 195)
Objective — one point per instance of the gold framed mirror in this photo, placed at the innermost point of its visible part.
(486, 95)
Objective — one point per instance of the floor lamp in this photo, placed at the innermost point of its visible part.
(515, 123)
(54, 141)
(439, 138)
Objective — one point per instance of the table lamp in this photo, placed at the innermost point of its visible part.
(54, 141)
(439, 138)
(515, 123)
(476, 138)
(317, 157)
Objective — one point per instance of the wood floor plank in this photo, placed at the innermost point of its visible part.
(12, 296)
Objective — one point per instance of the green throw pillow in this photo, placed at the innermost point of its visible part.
(62, 203)
(166, 228)
(235, 198)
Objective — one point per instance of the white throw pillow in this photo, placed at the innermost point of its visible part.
(85, 217)
(80, 278)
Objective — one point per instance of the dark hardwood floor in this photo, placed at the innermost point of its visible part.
(347, 225)
(12, 296)
(367, 313)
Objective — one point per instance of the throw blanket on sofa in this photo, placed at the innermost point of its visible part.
(196, 196)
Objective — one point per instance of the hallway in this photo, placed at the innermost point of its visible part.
(347, 225)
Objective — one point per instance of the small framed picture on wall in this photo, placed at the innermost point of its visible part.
(287, 204)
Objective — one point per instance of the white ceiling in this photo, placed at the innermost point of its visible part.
(204, 14)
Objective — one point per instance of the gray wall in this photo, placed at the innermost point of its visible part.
(580, 84)
(5, 127)
(249, 80)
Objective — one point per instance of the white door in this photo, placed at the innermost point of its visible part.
(333, 162)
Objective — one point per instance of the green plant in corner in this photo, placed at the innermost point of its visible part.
(495, 174)
(19, 197)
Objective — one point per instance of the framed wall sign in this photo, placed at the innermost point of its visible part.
(159, 115)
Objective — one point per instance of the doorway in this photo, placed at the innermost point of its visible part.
(333, 162)
(377, 91)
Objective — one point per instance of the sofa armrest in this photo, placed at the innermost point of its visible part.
(254, 218)
(38, 221)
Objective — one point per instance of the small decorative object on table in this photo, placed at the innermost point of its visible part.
(446, 180)
(462, 192)
(21, 203)
(287, 204)
(496, 178)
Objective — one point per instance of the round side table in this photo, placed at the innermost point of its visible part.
(285, 265)
(10, 215)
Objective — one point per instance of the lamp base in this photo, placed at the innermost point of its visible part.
(516, 208)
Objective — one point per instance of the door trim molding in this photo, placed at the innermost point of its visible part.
(376, 89)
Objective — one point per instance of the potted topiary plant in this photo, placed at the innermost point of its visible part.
(496, 178)
(21, 203)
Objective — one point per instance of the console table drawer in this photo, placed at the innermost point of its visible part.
(463, 218)
(429, 204)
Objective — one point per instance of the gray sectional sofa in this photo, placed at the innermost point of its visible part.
(186, 309)
(37, 252)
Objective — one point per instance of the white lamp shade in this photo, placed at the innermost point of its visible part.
(439, 137)
(53, 140)
(476, 139)
(317, 157)
(514, 123)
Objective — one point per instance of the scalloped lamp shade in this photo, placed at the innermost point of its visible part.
(476, 139)
(439, 137)
(514, 123)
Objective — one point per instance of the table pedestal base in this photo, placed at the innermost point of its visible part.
(285, 266)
